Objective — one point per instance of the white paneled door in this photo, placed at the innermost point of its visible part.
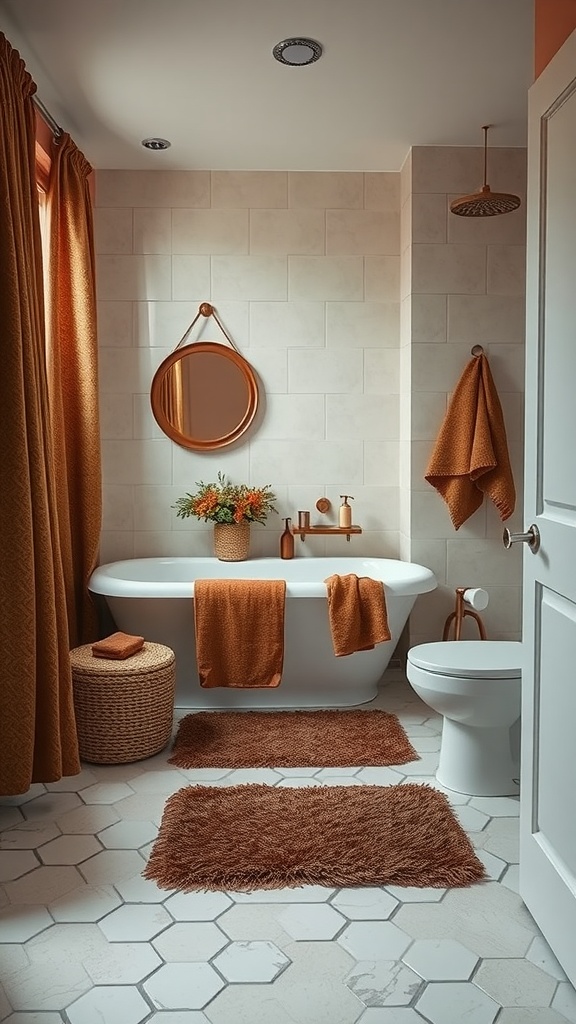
(548, 792)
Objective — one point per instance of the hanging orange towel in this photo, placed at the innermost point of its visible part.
(470, 457)
(357, 613)
(118, 646)
(239, 627)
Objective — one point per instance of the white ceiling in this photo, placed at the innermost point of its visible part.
(394, 73)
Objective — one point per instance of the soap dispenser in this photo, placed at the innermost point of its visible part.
(287, 542)
(345, 513)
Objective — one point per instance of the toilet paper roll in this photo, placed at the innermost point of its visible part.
(476, 598)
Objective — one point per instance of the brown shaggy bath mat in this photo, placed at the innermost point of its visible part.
(290, 739)
(264, 837)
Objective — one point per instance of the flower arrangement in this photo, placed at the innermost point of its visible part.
(223, 502)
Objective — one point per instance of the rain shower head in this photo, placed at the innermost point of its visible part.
(485, 203)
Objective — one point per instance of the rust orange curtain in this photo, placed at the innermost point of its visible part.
(38, 740)
(73, 379)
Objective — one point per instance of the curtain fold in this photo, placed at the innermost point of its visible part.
(73, 379)
(38, 741)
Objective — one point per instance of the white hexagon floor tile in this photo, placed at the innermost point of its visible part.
(249, 962)
(50, 806)
(69, 849)
(311, 921)
(111, 866)
(34, 1018)
(384, 983)
(44, 885)
(121, 963)
(190, 940)
(87, 903)
(564, 1001)
(41, 987)
(440, 960)
(515, 982)
(295, 782)
(374, 940)
(13, 865)
(137, 889)
(20, 923)
(29, 835)
(197, 906)
(87, 820)
(541, 955)
(72, 783)
(114, 1005)
(135, 923)
(167, 782)
(365, 904)
(128, 835)
(390, 1015)
(454, 1002)
(176, 985)
(106, 793)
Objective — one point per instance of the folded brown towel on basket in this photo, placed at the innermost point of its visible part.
(118, 646)
(239, 627)
(470, 457)
(357, 613)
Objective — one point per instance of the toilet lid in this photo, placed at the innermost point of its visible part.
(477, 659)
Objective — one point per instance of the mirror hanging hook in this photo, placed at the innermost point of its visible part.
(206, 309)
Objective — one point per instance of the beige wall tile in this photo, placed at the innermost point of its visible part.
(362, 417)
(327, 463)
(282, 232)
(115, 323)
(319, 371)
(431, 553)
(249, 277)
(287, 324)
(116, 545)
(507, 365)
(144, 424)
(382, 278)
(362, 324)
(429, 217)
(236, 189)
(117, 508)
(431, 520)
(191, 278)
(271, 366)
(381, 371)
(153, 188)
(437, 367)
(455, 169)
(292, 417)
(325, 278)
(188, 466)
(381, 463)
(152, 507)
(162, 324)
(506, 271)
(326, 190)
(449, 268)
(209, 231)
(136, 462)
(428, 411)
(429, 318)
(362, 232)
(482, 563)
(483, 319)
(115, 416)
(128, 371)
(406, 179)
(112, 231)
(152, 231)
(382, 191)
(133, 277)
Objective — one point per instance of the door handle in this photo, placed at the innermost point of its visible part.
(531, 538)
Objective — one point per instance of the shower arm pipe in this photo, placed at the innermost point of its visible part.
(47, 117)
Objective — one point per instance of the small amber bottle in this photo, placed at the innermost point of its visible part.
(287, 542)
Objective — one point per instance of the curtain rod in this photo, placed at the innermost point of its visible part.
(47, 117)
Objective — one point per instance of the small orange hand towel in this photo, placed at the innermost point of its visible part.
(118, 646)
(470, 457)
(239, 627)
(357, 613)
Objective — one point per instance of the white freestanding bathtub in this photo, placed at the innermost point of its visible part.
(153, 598)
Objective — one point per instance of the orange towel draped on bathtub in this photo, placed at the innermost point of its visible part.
(470, 457)
(357, 613)
(239, 626)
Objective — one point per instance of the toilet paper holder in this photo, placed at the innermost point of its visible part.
(472, 596)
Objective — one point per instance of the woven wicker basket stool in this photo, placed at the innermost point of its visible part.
(124, 709)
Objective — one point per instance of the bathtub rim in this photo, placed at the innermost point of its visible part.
(106, 580)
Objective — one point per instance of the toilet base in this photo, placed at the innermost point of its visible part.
(477, 761)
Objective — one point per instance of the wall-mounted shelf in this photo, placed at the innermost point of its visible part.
(346, 530)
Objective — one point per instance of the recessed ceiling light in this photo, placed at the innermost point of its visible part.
(297, 52)
(156, 143)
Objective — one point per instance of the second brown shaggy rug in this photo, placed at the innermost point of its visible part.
(254, 836)
(290, 739)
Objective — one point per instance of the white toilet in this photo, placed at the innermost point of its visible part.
(476, 686)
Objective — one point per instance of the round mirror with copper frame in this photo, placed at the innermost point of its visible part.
(204, 395)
